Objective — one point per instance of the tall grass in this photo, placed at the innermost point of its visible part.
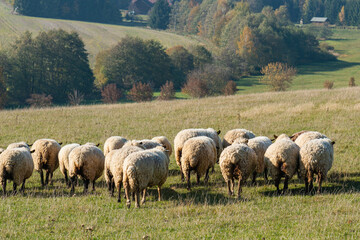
(206, 212)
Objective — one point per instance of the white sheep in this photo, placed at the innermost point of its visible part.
(308, 136)
(233, 134)
(237, 161)
(115, 172)
(316, 156)
(163, 141)
(145, 143)
(145, 169)
(282, 159)
(64, 160)
(45, 156)
(18, 145)
(15, 164)
(186, 134)
(199, 154)
(114, 142)
(259, 145)
(86, 161)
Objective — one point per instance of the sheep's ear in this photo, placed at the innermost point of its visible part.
(32, 151)
(30, 144)
(333, 142)
(98, 144)
(141, 143)
(275, 137)
(60, 143)
(218, 132)
(246, 141)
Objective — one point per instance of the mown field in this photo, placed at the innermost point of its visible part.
(347, 45)
(206, 212)
(97, 37)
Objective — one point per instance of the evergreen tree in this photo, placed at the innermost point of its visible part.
(160, 15)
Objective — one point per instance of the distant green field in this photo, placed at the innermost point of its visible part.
(96, 36)
(206, 212)
(347, 45)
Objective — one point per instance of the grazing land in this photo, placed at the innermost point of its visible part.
(347, 47)
(97, 37)
(206, 212)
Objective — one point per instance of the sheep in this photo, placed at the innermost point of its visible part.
(145, 169)
(282, 159)
(1, 150)
(316, 156)
(163, 141)
(237, 161)
(114, 175)
(88, 162)
(145, 143)
(186, 134)
(64, 160)
(308, 136)
(199, 154)
(297, 134)
(233, 134)
(18, 145)
(259, 145)
(45, 156)
(114, 142)
(15, 164)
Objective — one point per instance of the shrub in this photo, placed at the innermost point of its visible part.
(167, 91)
(110, 93)
(39, 100)
(140, 92)
(195, 87)
(207, 81)
(278, 76)
(328, 84)
(352, 82)
(75, 98)
(230, 88)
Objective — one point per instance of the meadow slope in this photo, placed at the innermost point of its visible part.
(97, 37)
(312, 76)
(206, 212)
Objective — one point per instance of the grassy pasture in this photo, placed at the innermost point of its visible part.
(206, 212)
(97, 37)
(347, 45)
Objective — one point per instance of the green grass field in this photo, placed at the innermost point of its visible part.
(347, 45)
(206, 212)
(97, 37)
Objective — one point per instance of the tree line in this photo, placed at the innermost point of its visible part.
(53, 67)
(107, 11)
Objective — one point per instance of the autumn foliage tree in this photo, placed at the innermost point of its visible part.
(167, 91)
(141, 92)
(278, 76)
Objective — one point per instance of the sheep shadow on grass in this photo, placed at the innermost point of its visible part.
(336, 183)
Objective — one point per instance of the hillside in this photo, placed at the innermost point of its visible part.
(347, 47)
(96, 36)
(206, 212)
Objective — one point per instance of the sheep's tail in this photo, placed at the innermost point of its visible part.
(130, 178)
(178, 156)
(283, 167)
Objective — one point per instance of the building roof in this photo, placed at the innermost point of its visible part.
(319, 19)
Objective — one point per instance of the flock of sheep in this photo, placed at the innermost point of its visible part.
(139, 164)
